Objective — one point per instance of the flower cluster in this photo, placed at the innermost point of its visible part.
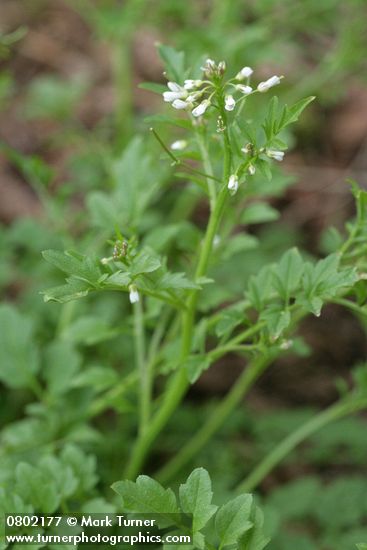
(198, 95)
(212, 90)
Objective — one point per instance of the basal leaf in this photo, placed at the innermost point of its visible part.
(62, 362)
(255, 539)
(196, 497)
(35, 487)
(19, 357)
(147, 496)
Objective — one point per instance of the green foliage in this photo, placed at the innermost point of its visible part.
(232, 521)
(146, 496)
(19, 358)
(295, 504)
(79, 379)
(276, 119)
(174, 62)
(52, 97)
(46, 486)
(196, 497)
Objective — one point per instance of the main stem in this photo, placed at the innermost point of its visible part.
(336, 411)
(216, 420)
(179, 383)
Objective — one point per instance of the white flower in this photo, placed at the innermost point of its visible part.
(276, 155)
(176, 92)
(244, 73)
(233, 184)
(201, 108)
(251, 169)
(174, 87)
(180, 104)
(190, 84)
(179, 145)
(264, 86)
(230, 103)
(244, 89)
(105, 261)
(168, 97)
(133, 294)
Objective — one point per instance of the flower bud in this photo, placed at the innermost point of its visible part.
(251, 169)
(276, 155)
(174, 87)
(233, 184)
(230, 103)
(180, 104)
(190, 84)
(201, 108)
(179, 145)
(176, 92)
(221, 67)
(168, 97)
(119, 250)
(133, 294)
(244, 89)
(248, 149)
(264, 86)
(244, 73)
(209, 68)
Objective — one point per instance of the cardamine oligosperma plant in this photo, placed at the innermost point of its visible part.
(187, 310)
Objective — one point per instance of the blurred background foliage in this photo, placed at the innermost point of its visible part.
(70, 102)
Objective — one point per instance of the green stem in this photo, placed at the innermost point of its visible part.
(334, 412)
(158, 335)
(208, 169)
(176, 161)
(227, 147)
(180, 383)
(65, 317)
(217, 419)
(140, 359)
(358, 310)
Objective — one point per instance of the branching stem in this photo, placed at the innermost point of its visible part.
(334, 412)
